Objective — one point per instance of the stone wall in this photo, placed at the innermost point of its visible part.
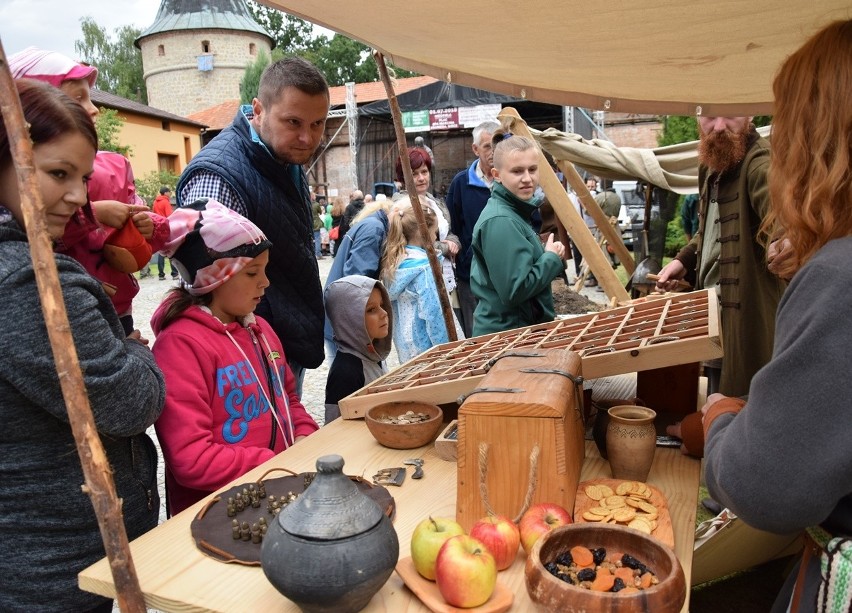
(173, 80)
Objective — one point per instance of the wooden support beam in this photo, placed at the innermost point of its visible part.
(568, 215)
(610, 233)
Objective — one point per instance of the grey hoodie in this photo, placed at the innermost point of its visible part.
(359, 358)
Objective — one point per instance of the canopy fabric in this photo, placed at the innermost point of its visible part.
(666, 56)
(674, 167)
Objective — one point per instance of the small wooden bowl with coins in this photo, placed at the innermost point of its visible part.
(404, 424)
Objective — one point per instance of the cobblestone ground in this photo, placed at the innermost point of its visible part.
(151, 293)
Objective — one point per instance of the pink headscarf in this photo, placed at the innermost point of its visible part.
(210, 243)
(49, 66)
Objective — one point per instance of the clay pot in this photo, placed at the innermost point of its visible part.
(601, 420)
(333, 548)
(631, 440)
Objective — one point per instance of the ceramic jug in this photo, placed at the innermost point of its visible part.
(332, 548)
(631, 440)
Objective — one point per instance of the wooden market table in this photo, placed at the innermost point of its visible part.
(176, 576)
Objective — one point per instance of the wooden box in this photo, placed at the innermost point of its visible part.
(522, 442)
(650, 333)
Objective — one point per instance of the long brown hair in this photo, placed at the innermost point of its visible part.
(180, 300)
(402, 229)
(809, 179)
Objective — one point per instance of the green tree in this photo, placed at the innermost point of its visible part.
(108, 126)
(292, 35)
(148, 187)
(251, 79)
(118, 61)
(340, 59)
(343, 60)
(678, 129)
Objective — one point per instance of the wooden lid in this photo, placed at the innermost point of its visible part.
(528, 383)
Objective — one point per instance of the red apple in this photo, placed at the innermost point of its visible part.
(465, 572)
(500, 536)
(540, 519)
(427, 539)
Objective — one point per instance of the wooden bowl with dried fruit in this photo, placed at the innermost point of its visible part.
(606, 568)
(404, 424)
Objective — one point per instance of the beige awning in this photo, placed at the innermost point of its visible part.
(674, 168)
(666, 57)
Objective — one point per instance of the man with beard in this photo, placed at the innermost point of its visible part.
(725, 255)
(254, 166)
(466, 197)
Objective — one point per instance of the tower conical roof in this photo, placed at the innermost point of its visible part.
(203, 15)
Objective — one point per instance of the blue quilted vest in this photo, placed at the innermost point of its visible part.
(276, 199)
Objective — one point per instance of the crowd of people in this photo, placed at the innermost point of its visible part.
(222, 381)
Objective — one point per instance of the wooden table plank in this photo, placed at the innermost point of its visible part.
(176, 576)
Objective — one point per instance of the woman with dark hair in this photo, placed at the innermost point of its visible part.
(447, 243)
(781, 459)
(48, 528)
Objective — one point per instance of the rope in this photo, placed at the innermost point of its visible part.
(532, 480)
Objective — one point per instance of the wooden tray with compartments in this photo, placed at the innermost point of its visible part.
(648, 333)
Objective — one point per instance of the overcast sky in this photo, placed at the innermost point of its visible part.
(55, 24)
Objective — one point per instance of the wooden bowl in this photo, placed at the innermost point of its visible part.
(553, 594)
(404, 436)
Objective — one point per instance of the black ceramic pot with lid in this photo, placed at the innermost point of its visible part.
(332, 548)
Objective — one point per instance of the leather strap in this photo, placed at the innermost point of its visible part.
(811, 548)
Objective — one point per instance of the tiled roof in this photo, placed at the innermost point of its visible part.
(217, 117)
(102, 98)
(220, 116)
(370, 92)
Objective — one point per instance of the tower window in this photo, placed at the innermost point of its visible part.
(161, 50)
(205, 46)
(252, 49)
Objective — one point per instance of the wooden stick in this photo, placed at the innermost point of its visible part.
(612, 235)
(96, 470)
(564, 209)
(408, 175)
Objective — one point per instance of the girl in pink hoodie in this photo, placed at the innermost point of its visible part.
(231, 401)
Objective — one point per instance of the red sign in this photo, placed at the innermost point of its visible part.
(444, 119)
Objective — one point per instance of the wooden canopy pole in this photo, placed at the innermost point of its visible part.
(568, 215)
(408, 175)
(612, 236)
(96, 470)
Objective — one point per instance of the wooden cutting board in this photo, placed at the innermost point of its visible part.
(428, 593)
(663, 532)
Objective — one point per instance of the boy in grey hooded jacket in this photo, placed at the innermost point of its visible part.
(359, 311)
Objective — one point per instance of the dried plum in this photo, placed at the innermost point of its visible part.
(630, 562)
(599, 555)
(551, 568)
(618, 585)
(564, 577)
(565, 559)
(587, 574)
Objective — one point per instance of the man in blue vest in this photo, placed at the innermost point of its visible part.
(466, 198)
(254, 166)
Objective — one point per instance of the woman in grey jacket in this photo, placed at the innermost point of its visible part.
(782, 460)
(48, 528)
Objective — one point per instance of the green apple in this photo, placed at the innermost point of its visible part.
(426, 541)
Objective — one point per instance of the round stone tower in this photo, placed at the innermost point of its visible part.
(196, 52)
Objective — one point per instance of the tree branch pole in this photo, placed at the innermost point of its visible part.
(408, 174)
(96, 470)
